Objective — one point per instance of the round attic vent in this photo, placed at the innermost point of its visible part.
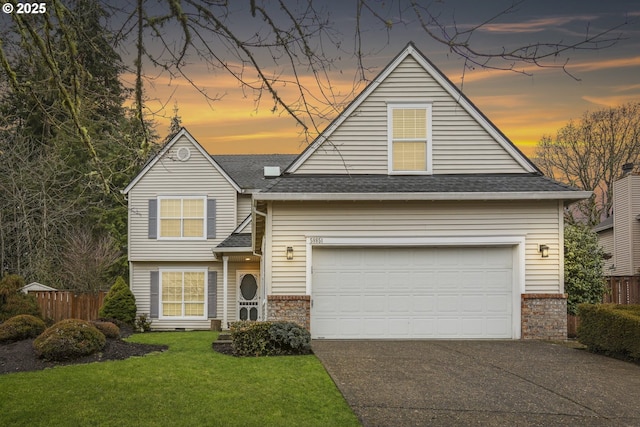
(183, 154)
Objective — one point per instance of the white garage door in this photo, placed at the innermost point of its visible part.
(409, 292)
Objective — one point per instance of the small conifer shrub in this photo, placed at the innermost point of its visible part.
(119, 303)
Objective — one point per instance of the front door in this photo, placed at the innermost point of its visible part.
(248, 295)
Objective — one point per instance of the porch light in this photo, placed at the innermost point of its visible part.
(289, 253)
(544, 251)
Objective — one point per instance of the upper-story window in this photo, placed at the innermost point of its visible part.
(409, 130)
(181, 217)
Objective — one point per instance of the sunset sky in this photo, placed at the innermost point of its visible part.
(524, 107)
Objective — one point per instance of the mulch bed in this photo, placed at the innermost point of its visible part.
(20, 356)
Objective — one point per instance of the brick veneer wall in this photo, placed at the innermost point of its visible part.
(290, 308)
(544, 316)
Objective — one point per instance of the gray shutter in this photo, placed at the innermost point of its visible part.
(211, 218)
(212, 294)
(153, 218)
(154, 311)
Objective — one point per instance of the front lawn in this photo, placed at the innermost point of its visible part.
(189, 384)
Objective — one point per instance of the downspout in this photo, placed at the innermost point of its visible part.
(225, 292)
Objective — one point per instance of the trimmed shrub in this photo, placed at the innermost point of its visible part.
(21, 327)
(269, 338)
(69, 339)
(143, 323)
(12, 301)
(109, 329)
(119, 303)
(290, 338)
(610, 329)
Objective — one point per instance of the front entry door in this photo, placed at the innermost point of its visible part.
(248, 295)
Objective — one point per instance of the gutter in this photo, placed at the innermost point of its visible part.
(534, 195)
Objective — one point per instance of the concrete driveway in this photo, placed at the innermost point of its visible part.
(481, 383)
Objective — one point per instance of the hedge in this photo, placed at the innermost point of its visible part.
(269, 338)
(611, 329)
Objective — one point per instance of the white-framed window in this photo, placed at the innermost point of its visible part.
(182, 217)
(409, 138)
(183, 293)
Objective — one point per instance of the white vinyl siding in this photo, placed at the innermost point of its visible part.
(173, 178)
(538, 222)
(626, 228)
(460, 143)
(605, 238)
(244, 207)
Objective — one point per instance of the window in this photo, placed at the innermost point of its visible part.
(409, 138)
(182, 218)
(182, 293)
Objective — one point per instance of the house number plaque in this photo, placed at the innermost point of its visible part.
(315, 240)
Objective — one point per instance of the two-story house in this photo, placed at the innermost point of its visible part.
(410, 216)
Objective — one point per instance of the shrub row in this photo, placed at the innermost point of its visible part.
(610, 329)
(269, 338)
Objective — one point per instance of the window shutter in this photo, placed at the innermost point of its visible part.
(155, 295)
(153, 218)
(212, 294)
(211, 218)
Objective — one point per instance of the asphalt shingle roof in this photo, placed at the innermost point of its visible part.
(247, 170)
(236, 240)
(301, 183)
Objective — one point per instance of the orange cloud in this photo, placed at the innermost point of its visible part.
(534, 25)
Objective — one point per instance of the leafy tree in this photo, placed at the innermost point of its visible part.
(589, 154)
(119, 303)
(67, 144)
(583, 262)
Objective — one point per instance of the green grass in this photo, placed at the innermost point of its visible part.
(189, 384)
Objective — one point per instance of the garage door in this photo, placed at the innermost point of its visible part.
(409, 292)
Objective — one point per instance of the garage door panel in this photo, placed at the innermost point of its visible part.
(423, 327)
(497, 303)
(375, 304)
(473, 327)
(447, 304)
(421, 304)
(472, 304)
(445, 292)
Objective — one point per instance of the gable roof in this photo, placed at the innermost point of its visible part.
(247, 170)
(164, 150)
(445, 83)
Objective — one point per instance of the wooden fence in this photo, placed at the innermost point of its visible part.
(60, 305)
(623, 290)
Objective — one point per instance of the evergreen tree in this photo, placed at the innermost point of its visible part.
(68, 145)
(119, 303)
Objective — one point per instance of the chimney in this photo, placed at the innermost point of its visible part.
(626, 169)
(271, 171)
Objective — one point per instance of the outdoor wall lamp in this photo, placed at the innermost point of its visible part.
(289, 253)
(544, 251)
